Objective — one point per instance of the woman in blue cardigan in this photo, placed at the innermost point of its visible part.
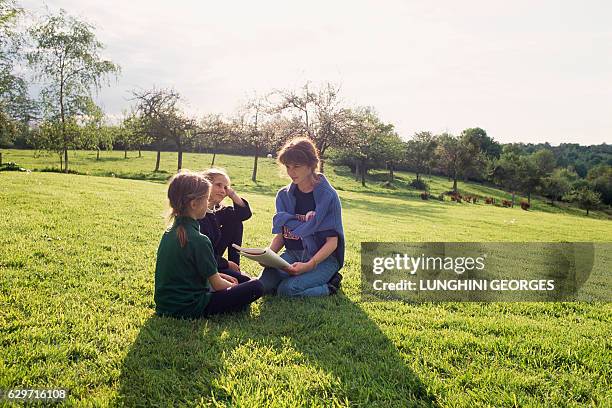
(308, 223)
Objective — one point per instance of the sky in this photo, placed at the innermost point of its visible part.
(525, 71)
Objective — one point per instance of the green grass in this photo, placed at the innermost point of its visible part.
(77, 256)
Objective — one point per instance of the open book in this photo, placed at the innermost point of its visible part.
(264, 256)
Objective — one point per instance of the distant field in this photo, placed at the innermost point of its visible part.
(77, 257)
(113, 164)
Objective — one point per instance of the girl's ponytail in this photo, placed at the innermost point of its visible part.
(185, 187)
(181, 234)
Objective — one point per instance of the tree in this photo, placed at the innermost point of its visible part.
(124, 136)
(473, 158)
(212, 133)
(360, 139)
(67, 57)
(586, 198)
(95, 133)
(8, 129)
(458, 156)
(251, 127)
(485, 143)
(16, 107)
(284, 129)
(134, 126)
(369, 142)
(133, 133)
(451, 154)
(300, 101)
(509, 169)
(182, 129)
(600, 177)
(528, 175)
(420, 153)
(49, 136)
(393, 152)
(533, 169)
(163, 120)
(323, 117)
(544, 161)
(558, 184)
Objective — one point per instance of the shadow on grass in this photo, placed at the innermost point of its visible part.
(432, 210)
(112, 159)
(161, 176)
(400, 182)
(271, 359)
(259, 188)
(377, 185)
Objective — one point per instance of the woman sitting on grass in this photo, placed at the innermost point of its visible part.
(223, 224)
(308, 223)
(186, 272)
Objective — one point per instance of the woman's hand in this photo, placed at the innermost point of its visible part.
(305, 218)
(233, 266)
(298, 268)
(229, 278)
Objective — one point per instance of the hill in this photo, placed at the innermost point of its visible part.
(77, 257)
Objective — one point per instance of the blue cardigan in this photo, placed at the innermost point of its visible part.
(328, 217)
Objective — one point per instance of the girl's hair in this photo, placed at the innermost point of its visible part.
(300, 150)
(210, 175)
(184, 187)
(213, 172)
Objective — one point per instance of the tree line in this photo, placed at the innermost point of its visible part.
(63, 54)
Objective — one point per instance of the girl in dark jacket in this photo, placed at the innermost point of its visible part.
(223, 224)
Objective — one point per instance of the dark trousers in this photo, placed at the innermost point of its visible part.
(234, 299)
(240, 277)
(231, 233)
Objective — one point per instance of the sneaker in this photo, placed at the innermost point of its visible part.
(336, 280)
(332, 289)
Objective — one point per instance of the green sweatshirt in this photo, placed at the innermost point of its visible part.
(181, 274)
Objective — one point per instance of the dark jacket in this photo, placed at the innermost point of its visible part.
(212, 226)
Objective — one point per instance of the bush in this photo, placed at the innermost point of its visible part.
(56, 170)
(419, 185)
(11, 166)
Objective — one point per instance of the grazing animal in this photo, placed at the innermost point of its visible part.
(525, 205)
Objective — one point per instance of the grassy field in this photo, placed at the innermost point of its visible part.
(269, 179)
(77, 258)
